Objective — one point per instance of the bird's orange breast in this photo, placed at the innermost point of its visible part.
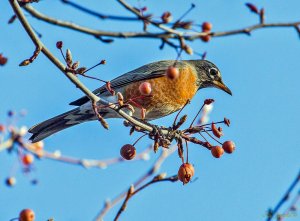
(167, 95)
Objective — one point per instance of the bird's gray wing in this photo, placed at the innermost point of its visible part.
(149, 71)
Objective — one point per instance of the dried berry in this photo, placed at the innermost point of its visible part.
(26, 215)
(216, 131)
(166, 17)
(217, 151)
(228, 146)
(208, 101)
(128, 152)
(172, 72)
(186, 172)
(145, 88)
(59, 44)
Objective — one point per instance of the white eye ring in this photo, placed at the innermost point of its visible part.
(214, 72)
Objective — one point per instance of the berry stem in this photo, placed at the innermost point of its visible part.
(185, 14)
(101, 62)
(212, 137)
(139, 139)
(62, 54)
(196, 115)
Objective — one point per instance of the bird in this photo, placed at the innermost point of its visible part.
(167, 95)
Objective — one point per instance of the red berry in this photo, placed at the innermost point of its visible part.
(217, 151)
(10, 181)
(186, 172)
(2, 128)
(128, 152)
(172, 72)
(205, 38)
(26, 215)
(228, 146)
(206, 26)
(3, 60)
(145, 88)
(59, 44)
(166, 17)
(208, 101)
(27, 159)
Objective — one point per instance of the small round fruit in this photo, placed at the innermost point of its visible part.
(145, 88)
(26, 215)
(27, 159)
(228, 146)
(206, 26)
(206, 38)
(172, 72)
(59, 44)
(2, 128)
(10, 181)
(217, 151)
(186, 172)
(128, 152)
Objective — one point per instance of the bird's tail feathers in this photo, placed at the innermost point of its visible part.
(60, 122)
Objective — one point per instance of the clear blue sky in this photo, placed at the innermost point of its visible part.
(262, 72)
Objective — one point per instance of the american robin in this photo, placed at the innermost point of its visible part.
(167, 95)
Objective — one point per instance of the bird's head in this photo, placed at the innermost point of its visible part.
(209, 75)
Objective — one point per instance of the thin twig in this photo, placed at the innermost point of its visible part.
(196, 115)
(57, 156)
(131, 191)
(168, 33)
(94, 98)
(285, 197)
(155, 167)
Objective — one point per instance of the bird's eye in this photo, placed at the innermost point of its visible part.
(213, 71)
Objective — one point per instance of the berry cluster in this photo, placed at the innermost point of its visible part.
(186, 170)
(13, 136)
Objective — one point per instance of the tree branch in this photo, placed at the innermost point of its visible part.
(168, 33)
(73, 78)
(131, 192)
(285, 197)
(155, 167)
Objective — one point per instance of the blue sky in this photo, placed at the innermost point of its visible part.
(262, 72)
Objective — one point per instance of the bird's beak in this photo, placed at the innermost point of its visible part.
(222, 86)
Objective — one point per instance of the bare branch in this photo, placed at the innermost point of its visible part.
(131, 192)
(168, 33)
(94, 98)
(17, 138)
(156, 166)
(285, 197)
